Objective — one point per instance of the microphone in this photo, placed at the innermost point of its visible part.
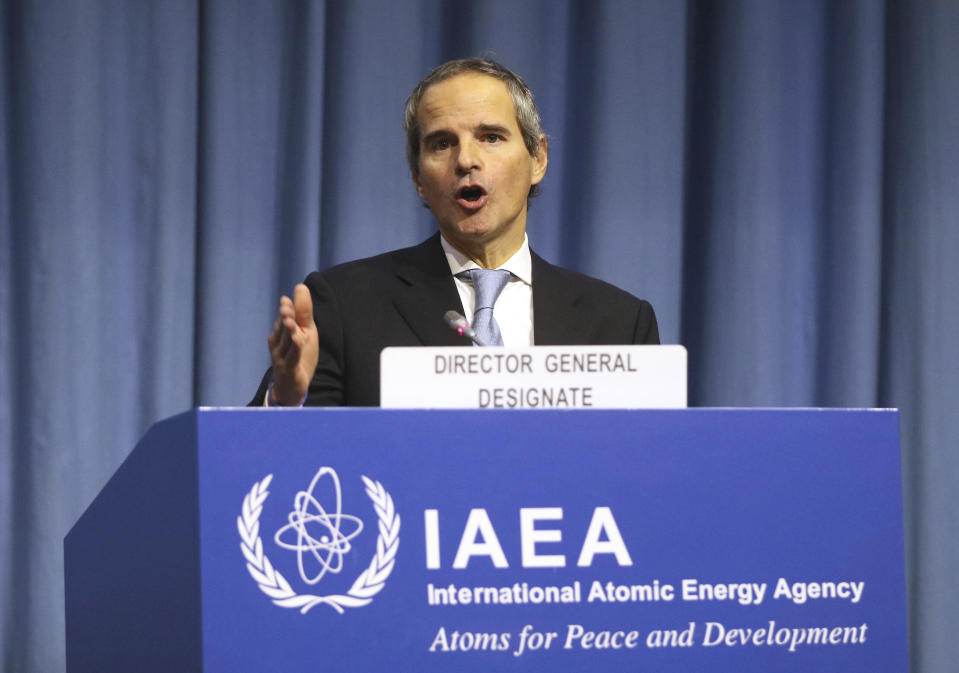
(459, 324)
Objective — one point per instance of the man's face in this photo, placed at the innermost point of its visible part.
(474, 169)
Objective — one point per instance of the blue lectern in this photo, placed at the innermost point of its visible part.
(377, 540)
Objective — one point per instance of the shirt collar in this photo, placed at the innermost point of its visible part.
(520, 264)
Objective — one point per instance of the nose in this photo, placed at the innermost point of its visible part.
(468, 157)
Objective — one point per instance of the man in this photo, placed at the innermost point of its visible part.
(477, 153)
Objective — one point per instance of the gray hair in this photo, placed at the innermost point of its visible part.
(527, 114)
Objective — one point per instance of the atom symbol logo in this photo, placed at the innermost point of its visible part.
(307, 520)
(271, 581)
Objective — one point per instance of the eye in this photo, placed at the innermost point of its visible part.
(441, 144)
(493, 138)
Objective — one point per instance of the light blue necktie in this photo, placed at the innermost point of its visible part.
(488, 284)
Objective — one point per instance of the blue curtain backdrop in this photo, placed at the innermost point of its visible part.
(778, 177)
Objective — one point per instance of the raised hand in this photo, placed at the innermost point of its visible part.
(294, 347)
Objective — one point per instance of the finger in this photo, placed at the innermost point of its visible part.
(303, 306)
(281, 341)
(291, 357)
(277, 334)
(283, 310)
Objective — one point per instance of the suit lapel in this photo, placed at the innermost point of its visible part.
(425, 292)
(555, 307)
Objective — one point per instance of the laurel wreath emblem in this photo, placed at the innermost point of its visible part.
(274, 585)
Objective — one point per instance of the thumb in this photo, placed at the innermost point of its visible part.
(303, 305)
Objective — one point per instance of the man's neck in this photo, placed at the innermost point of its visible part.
(519, 264)
(489, 254)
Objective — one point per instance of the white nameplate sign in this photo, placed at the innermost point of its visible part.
(539, 377)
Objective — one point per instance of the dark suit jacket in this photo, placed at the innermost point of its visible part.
(399, 299)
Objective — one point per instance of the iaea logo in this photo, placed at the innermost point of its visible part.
(317, 556)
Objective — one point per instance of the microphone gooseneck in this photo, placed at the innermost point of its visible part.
(458, 323)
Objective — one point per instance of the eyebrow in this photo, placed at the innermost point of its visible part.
(435, 134)
(493, 128)
(482, 128)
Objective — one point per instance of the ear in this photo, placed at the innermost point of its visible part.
(540, 159)
(416, 181)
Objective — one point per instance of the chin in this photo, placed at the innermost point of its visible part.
(469, 229)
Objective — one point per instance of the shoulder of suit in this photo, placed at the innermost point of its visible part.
(386, 263)
(574, 282)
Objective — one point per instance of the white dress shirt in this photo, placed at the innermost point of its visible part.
(513, 309)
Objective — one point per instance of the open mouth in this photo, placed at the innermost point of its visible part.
(471, 193)
(471, 196)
